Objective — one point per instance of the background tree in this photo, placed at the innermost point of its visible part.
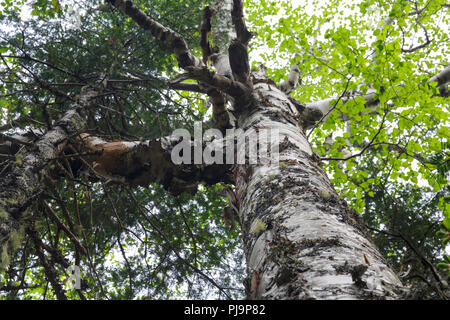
(382, 137)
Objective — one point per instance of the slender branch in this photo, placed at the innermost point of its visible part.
(423, 45)
(61, 224)
(22, 184)
(319, 110)
(27, 57)
(365, 147)
(192, 87)
(418, 12)
(424, 261)
(220, 82)
(167, 241)
(49, 269)
(188, 227)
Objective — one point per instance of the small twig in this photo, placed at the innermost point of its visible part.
(424, 261)
(423, 45)
(331, 109)
(154, 226)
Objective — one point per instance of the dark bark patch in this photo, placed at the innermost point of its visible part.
(285, 275)
(286, 144)
(356, 271)
(319, 243)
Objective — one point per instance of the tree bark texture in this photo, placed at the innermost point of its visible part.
(300, 239)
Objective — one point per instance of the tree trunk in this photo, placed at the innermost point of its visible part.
(300, 239)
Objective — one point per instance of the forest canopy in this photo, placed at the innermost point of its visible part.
(379, 68)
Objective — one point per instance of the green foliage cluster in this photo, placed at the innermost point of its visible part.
(389, 49)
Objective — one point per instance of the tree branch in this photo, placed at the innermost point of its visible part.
(167, 241)
(161, 33)
(140, 163)
(237, 50)
(293, 79)
(192, 87)
(331, 109)
(220, 82)
(427, 264)
(318, 110)
(239, 63)
(205, 28)
(423, 45)
(23, 182)
(365, 147)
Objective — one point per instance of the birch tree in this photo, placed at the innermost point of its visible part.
(87, 161)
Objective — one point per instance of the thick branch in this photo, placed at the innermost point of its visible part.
(364, 148)
(293, 80)
(184, 56)
(220, 82)
(238, 57)
(423, 45)
(161, 33)
(237, 15)
(192, 87)
(442, 79)
(205, 29)
(145, 162)
(237, 50)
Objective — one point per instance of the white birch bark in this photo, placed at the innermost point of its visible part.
(300, 238)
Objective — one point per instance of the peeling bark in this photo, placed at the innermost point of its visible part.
(140, 163)
(300, 238)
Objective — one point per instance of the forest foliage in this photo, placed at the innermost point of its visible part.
(391, 163)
